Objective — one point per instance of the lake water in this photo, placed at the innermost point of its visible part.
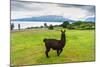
(24, 25)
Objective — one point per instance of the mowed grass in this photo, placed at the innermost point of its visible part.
(27, 47)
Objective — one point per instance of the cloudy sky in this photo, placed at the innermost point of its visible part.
(24, 9)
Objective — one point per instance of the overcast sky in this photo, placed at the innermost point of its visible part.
(34, 9)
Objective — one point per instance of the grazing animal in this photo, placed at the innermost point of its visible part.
(57, 45)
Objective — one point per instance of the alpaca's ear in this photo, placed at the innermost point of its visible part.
(64, 30)
(61, 31)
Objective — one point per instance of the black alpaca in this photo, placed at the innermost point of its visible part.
(55, 44)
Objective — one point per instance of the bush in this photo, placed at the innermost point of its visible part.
(83, 25)
(65, 24)
(12, 26)
(50, 27)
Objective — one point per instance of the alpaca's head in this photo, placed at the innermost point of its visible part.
(63, 32)
(63, 37)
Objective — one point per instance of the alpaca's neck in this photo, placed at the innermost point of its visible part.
(63, 39)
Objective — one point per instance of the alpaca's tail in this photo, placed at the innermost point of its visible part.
(44, 40)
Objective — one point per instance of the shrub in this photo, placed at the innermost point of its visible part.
(50, 27)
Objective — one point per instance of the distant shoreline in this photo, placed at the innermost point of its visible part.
(32, 24)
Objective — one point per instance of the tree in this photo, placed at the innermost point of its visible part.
(51, 27)
(65, 24)
(12, 26)
(70, 26)
(41, 26)
(83, 25)
(19, 26)
(45, 25)
(78, 23)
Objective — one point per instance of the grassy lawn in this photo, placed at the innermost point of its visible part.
(27, 47)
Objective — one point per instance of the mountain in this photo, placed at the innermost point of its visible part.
(90, 19)
(47, 18)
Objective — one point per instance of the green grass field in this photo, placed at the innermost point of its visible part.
(27, 47)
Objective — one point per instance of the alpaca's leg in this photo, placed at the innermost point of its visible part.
(60, 51)
(57, 52)
(46, 52)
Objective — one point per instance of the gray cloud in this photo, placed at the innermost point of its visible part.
(18, 5)
(89, 8)
(20, 9)
(23, 6)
